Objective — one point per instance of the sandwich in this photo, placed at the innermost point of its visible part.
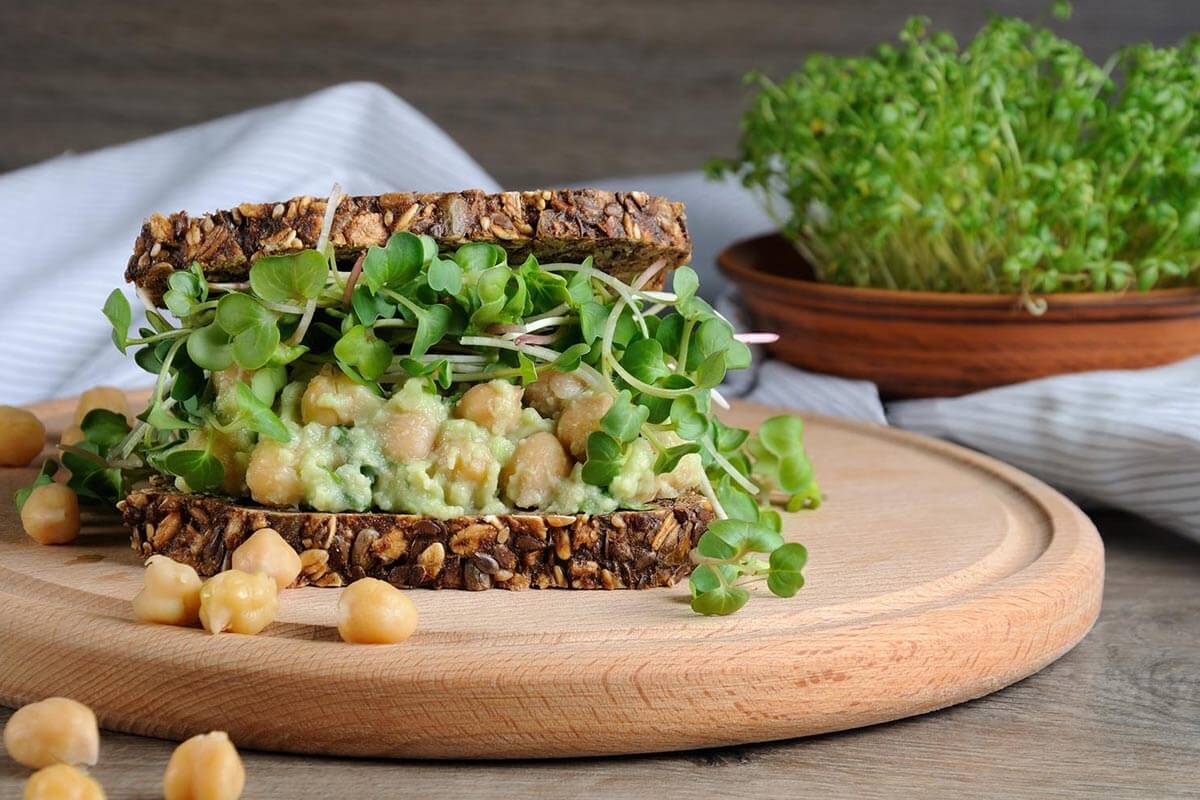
(459, 390)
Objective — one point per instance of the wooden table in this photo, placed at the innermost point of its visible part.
(1117, 717)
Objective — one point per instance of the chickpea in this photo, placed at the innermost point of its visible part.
(238, 601)
(581, 417)
(537, 467)
(371, 611)
(462, 453)
(273, 476)
(333, 399)
(56, 730)
(407, 435)
(170, 593)
(266, 552)
(62, 782)
(552, 390)
(205, 767)
(51, 514)
(495, 405)
(107, 397)
(22, 436)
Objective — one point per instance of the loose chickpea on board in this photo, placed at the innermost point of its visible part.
(205, 767)
(266, 552)
(170, 593)
(57, 730)
(107, 397)
(238, 602)
(51, 514)
(371, 611)
(22, 436)
(62, 782)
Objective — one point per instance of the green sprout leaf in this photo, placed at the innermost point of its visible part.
(258, 416)
(200, 470)
(784, 578)
(295, 278)
(712, 595)
(669, 458)
(210, 348)
(445, 276)
(118, 312)
(623, 421)
(104, 428)
(360, 349)
(604, 459)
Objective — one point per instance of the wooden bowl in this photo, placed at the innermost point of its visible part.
(932, 344)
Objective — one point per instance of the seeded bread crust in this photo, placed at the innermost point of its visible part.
(624, 232)
(622, 550)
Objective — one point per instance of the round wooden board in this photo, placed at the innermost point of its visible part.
(935, 576)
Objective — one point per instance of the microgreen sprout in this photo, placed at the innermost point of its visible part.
(1014, 164)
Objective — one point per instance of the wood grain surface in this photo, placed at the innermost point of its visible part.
(540, 93)
(937, 576)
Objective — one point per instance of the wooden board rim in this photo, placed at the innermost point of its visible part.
(1062, 584)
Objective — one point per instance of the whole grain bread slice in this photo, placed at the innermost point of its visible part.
(635, 549)
(624, 232)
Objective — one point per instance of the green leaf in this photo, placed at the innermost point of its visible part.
(570, 358)
(210, 348)
(161, 419)
(781, 435)
(738, 537)
(669, 458)
(670, 333)
(286, 353)
(623, 421)
(690, 423)
(721, 601)
(727, 439)
(360, 349)
(104, 428)
(528, 369)
(45, 476)
(592, 318)
(118, 312)
(579, 290)
(685, 282)
(478, 256)
(199, 469)
(432, 324)
(258, 416)
(445, 276)
(604, 459)
(254, 347)
(660, 407)
(295, 278)
(711, 371)
(736, 502)
(784, 577)
(643, 359)
(267, 382)
(237, 312)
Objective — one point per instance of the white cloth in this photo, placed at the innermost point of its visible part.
(1127, 439)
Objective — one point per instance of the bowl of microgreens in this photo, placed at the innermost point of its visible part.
(955, 218)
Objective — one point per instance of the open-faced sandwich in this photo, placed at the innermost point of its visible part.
(445, 390)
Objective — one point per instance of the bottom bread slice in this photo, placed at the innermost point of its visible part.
(635, 549)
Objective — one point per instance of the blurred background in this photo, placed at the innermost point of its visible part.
(538, 92)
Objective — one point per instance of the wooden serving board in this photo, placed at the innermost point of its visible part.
(935, 576)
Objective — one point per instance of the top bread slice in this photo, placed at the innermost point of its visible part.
(624, 232)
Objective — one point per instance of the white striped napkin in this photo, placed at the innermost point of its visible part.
(1130, 440)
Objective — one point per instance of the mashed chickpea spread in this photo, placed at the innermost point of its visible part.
(493, 448)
